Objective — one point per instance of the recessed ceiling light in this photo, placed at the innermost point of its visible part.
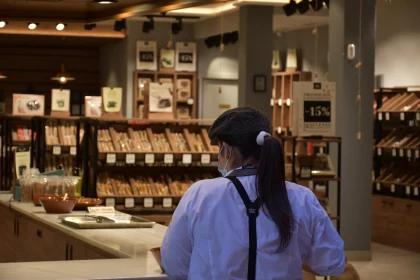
(3, 24)
(104, 1)
(32, 25)
(60, 26)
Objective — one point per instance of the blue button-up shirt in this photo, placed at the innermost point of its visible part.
(208, 236)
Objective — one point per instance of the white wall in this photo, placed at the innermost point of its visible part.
(304, 41)
(398, 42)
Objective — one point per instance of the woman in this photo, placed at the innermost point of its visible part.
(249, 224)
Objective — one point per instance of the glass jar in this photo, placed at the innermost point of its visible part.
(26, 188)
(39, 185)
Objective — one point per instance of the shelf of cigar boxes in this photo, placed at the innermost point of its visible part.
(403, 143)
(155, 145)
(61, 137)
(402, 105)
(21, 134)
(149, 189)
(399, 180)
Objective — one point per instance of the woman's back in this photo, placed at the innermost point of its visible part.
(214, 217)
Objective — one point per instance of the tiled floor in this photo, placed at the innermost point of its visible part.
(388, 264)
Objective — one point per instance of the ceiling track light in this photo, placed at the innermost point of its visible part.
(105, 1)
(60, 26)
(327, 3)
(90, 26)
(32, 25)
(303, 6)
(176, 27)
(291, 8)
(3, 23)
(317, 5)
(119, 25)
(148, 25)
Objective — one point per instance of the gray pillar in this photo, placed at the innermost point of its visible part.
(255, 52)
(356, 167)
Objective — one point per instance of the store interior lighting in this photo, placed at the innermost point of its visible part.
(62, 77)
(104, 1)
(3, 24)
(148, 25)
(60, 26)
(2, 76)
(303, 6)
(90, 26)
(32, 25)
(176, 27)
(120, 25)
(291, 8)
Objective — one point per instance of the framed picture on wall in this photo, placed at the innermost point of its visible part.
(260, 83)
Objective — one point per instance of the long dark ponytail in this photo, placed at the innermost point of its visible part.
(271, 185)
(272, 189)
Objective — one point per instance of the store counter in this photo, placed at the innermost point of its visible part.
(28, 235)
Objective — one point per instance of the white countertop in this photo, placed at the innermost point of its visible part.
(130, 245)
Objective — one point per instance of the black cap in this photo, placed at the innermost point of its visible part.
(239, 121)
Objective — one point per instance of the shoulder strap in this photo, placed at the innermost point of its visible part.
(252, 212)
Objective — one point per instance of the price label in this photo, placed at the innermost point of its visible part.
(149, 158)
(279, 129)
(111, 158)
(387, 116)
(379, 151)
(416, 153)
(418, 116)
(101, 209)
(148, 202)
(392, 188)
(57, 150)
(280, 102)
(380, 116)
(272, 102)
(73, 150)
(130, 158)
(416, 191)
(407, 190)
(402, 116)
(168, 158)
(401, 152)
(378, 186)
(394, 152)
(409, 153)
(186, 158)
(205, 159)
(129, 202)
(110, 202)
(190, 101)
(167, 202)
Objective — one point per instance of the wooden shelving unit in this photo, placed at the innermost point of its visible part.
(282, 100)
(184, 92)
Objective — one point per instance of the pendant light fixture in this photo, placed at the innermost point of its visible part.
(2, 76)
(62, 77)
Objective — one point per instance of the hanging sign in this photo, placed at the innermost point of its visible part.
(186, 57)
(161, 98)
(28, 104)
(93, 106)
(60, 102)
(146, 55)
(314, 108)
(167, 58)
(112, 98)
(276, 63)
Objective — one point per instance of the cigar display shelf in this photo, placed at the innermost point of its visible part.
(184, 92)
(397, 143)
